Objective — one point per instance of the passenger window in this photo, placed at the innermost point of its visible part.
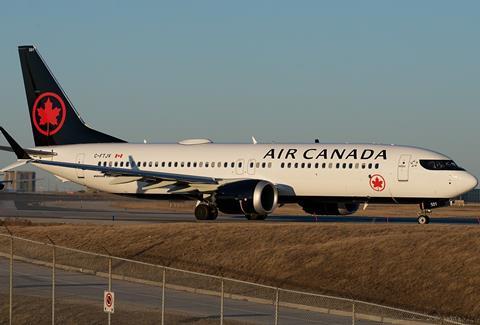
(169, 164)
(194, 164)
(188, 164)
(344, 165)
(316, 165)
(350, 165)
(232, 165)
(175, 164)
(99, 163)
(376, 166)
(163, 164)
(251, 165)
(200, 164)
(324, 165)
(356, 165)
(144, 164)
(309, 165)
(240, 165)
(206, 164)
(370, 166)
(219, 164)
(338, 165)
(296, 165)
(282, 165)
(363, 166)
(121, 164)
(289, 165)
(269, 165)
(213, 164)
(264, 165)
(150, 164)
(182, 164)
(105, 164)
(127, 164)
(156, 164)
(257, 165)
(303, 165)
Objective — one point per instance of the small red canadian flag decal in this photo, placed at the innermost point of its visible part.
(119, 155)
(377, 182)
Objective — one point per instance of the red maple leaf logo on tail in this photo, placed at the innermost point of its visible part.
(48, 114)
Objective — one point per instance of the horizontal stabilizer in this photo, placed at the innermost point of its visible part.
(16, 164)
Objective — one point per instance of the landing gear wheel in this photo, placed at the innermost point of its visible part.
(213, 212)
(423, 219)
(206, 212)
(256, 216)
(202, 212)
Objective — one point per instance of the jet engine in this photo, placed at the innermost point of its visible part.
(329, 208)
(2, 186)
(249, 197)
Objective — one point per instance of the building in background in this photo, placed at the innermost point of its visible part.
(20, 181)
(471, 197)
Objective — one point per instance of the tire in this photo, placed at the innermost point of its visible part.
(202, 212)
(256, 216)
(213, 212)
(423, 219)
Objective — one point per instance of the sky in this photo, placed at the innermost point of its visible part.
(403, 72)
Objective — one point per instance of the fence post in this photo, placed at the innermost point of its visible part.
(10, 307)
(353, 312)
(109, 284)
(222, 297)
(163, 295)
(276, 306)
(53, 285)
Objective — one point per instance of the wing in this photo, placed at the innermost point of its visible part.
(125, 172)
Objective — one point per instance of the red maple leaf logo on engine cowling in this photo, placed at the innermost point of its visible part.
(377, 183)
(48, 114)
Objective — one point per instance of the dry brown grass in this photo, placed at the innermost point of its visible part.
(37, 310)
(433, 269)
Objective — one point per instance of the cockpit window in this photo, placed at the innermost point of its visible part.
(440, 165)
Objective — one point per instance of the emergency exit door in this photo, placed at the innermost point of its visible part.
(403, 167)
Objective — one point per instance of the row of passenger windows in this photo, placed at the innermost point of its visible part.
(238, 164)
(330, 165)
(182, 164)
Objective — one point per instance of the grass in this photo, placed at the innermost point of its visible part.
(433, 269)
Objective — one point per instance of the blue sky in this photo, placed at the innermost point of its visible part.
(405, 72)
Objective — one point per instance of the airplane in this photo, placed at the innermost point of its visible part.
(248, 179)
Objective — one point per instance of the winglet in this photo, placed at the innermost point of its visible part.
(21, 154)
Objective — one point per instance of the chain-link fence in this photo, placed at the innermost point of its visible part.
(55, 284)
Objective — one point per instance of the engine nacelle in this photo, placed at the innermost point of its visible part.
(247, 197)
(2, 186)
(329, 208)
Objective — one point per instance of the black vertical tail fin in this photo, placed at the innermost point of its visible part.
(54, 119)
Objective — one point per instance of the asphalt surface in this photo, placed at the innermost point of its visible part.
(96, 209)
(34, 280)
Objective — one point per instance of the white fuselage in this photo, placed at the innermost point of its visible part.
(365, 171)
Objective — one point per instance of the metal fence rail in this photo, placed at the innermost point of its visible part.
(172, 290)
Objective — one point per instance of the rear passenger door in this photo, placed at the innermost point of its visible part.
(403, 168)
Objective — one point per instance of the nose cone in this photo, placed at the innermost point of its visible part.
(470, 182)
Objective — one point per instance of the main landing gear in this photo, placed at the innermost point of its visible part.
(205, 211)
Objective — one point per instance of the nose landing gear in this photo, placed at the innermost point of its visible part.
(423, 219)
